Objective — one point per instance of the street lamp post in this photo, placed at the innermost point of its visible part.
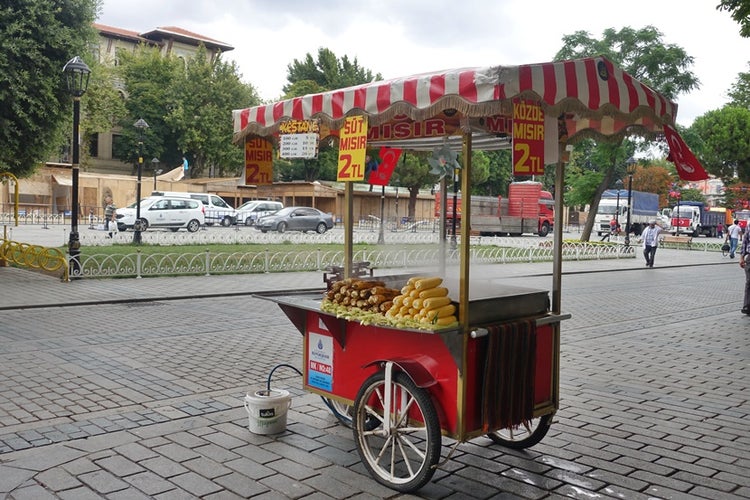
(77, 80)
(155, 162)
(141, 125)
(618, 185)
(630, 169)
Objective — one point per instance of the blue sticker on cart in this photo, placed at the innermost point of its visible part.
(320, 361)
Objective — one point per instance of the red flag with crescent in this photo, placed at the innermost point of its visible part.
(388, 160)
(688, 166)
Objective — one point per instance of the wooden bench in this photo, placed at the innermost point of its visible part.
(677, 241)
(333, 274)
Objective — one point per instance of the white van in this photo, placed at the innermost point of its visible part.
(218, 211)
(250, 211)
(167, 212)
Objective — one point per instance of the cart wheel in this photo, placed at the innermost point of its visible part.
(523, 436)
(403, 448)
(343, 413)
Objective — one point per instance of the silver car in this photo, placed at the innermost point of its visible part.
(296, 219)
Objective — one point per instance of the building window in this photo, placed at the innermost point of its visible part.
(94, 146)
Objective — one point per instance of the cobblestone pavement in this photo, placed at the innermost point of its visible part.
(133, 389)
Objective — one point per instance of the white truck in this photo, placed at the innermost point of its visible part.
(644, 207)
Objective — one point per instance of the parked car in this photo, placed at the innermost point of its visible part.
(296, 219)
(170, 213)
(250, 211)
(217, 211)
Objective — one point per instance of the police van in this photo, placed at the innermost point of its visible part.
(217, 210)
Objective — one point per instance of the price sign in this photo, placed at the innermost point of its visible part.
(298, 146)
(528, 138)
(299, 139)
(258, 161)
(352, 146)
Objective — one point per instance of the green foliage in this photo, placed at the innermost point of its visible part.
(739, 93)
(740, 11)
(38, 37)
(642, 53)
(326, 73)
(185, 103)
(725, 148)
(690, 194)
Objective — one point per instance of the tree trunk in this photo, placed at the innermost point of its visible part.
(413, 192)
(594, 206)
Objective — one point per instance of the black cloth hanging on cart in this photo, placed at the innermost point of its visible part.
(510, 365)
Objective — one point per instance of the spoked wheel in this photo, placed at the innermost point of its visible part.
(523, 436)
(401, 450)
(344, 413)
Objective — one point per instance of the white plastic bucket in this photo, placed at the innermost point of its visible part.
(266, 411)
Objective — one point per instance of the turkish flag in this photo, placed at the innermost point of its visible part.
(388, 160)
(688, 166)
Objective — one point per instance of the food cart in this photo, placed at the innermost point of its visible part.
(496, 371)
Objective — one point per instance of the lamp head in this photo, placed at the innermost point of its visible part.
(141, 124)
(76, 76)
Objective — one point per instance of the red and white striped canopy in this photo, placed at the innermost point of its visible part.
(592, 95)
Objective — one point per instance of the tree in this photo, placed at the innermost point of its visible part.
(185, 103)
(38, 37)
(740, 11)
(311, 76)
(413, 173)
(326, 73)
(739, 93)
(725, 150)
(643, 54)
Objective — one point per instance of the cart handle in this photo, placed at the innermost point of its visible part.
(544, 320)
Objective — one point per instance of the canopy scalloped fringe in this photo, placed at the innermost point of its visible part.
(596, 98)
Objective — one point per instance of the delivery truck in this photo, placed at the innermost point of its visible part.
(693, 218)
(527, 209)
(614, 204)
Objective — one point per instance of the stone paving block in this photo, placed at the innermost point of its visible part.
(57, 479)
(219, 454)
(292, 469)
(163, 466)
(207, 468)
(82, 493)
(80, 466)
(102, 481)
(196, 484)
(337, 456)
(295, 454)
(250, 468)
(224, 440)
(149, 483)
(129, 494)
(659, 480)
(286, 486)
(176, 452)
(33, 492)
(135, 451)
(331, 486)
(119, 465)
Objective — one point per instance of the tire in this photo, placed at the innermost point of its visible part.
(173, 229)
(522, 437)
(264, 231)
(226, 221)
(402, 458)
(281, 227)
(193, 225)
(249, 222)
(140, 225)
(545, 230)
(321, 228)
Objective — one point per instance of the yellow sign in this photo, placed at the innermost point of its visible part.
(528, 138)
(352, 146)
(258, 161)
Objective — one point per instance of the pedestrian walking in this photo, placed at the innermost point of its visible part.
(109, 215)
(744, 264)
(733, 237)
(720, 230)
(650, 238)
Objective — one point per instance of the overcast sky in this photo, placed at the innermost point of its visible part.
(404, 37)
